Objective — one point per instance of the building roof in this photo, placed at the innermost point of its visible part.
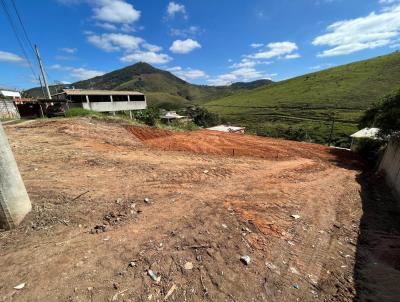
(172, 115)
(99, 92)
(366, 133)
(10, 93)
(225, 128)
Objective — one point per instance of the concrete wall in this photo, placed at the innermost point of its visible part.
(391, 164)
(8, 109)
(115, 106)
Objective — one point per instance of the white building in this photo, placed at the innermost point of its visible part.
(103, 100)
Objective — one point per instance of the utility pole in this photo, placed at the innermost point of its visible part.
(41, 86)
(42, 71)
(14, 200)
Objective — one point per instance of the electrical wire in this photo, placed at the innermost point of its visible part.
(10, 20)
(23, 26)
(26, 33)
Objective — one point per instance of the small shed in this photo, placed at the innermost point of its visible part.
(366, 133)
(226, 128)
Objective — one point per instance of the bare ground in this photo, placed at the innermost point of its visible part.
(209, 205)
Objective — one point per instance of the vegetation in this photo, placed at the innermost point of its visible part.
(304, 105)
(202, 117)
(73, 112)
(384, 114)
(179, 125)
(149, 116)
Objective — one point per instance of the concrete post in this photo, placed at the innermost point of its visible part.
(130, 111)
(112, 101)
(14, 200)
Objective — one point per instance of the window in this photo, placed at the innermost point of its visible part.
(120, 98)
(137, 98)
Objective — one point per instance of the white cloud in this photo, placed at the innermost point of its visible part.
(69, 50)
(187, 73)
(223, 79)
(152, 47)
(388, 2)
(146, 56)
(84, 74)
(185, 32)
(349, 36)
(246, 62)
(115, 11)
(107, 26)
(114, 42)
(293, 56)
(10, 57)
(276, 49)
(78, 73)
(247, 73)
(243, 74)
(184, 46)
(256, 45)
(174, 8)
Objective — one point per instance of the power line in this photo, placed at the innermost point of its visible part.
(10, 20)
(22, 25)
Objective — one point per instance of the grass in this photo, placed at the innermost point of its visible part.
(122, 117)
(306, 102)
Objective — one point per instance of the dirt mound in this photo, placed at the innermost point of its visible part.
(233, 144)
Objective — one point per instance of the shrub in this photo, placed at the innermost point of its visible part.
(203, 118)
(384, 115)
(148, 116)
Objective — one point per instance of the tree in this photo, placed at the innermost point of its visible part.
(384, 115)
(203, 118)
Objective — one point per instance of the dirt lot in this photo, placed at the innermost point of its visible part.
(212, 198)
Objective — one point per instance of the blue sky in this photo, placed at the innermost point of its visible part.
(212, 42)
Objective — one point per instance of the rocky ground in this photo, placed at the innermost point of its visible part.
(114, 204)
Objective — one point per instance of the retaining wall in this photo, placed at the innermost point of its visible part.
(391, 164)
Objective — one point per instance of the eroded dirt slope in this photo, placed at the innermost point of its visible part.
(205, 211)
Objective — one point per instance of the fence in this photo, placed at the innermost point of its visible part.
(391, 163)
(8, 110)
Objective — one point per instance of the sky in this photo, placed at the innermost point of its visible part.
(211, 42)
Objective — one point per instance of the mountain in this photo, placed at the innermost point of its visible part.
(160, 86)
(302, 107)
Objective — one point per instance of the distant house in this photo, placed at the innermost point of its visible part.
(226, 128)
(171, 116)
(103, 100)
(370, 133)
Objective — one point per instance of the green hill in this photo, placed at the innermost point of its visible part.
(302, 107)
(161, 87)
